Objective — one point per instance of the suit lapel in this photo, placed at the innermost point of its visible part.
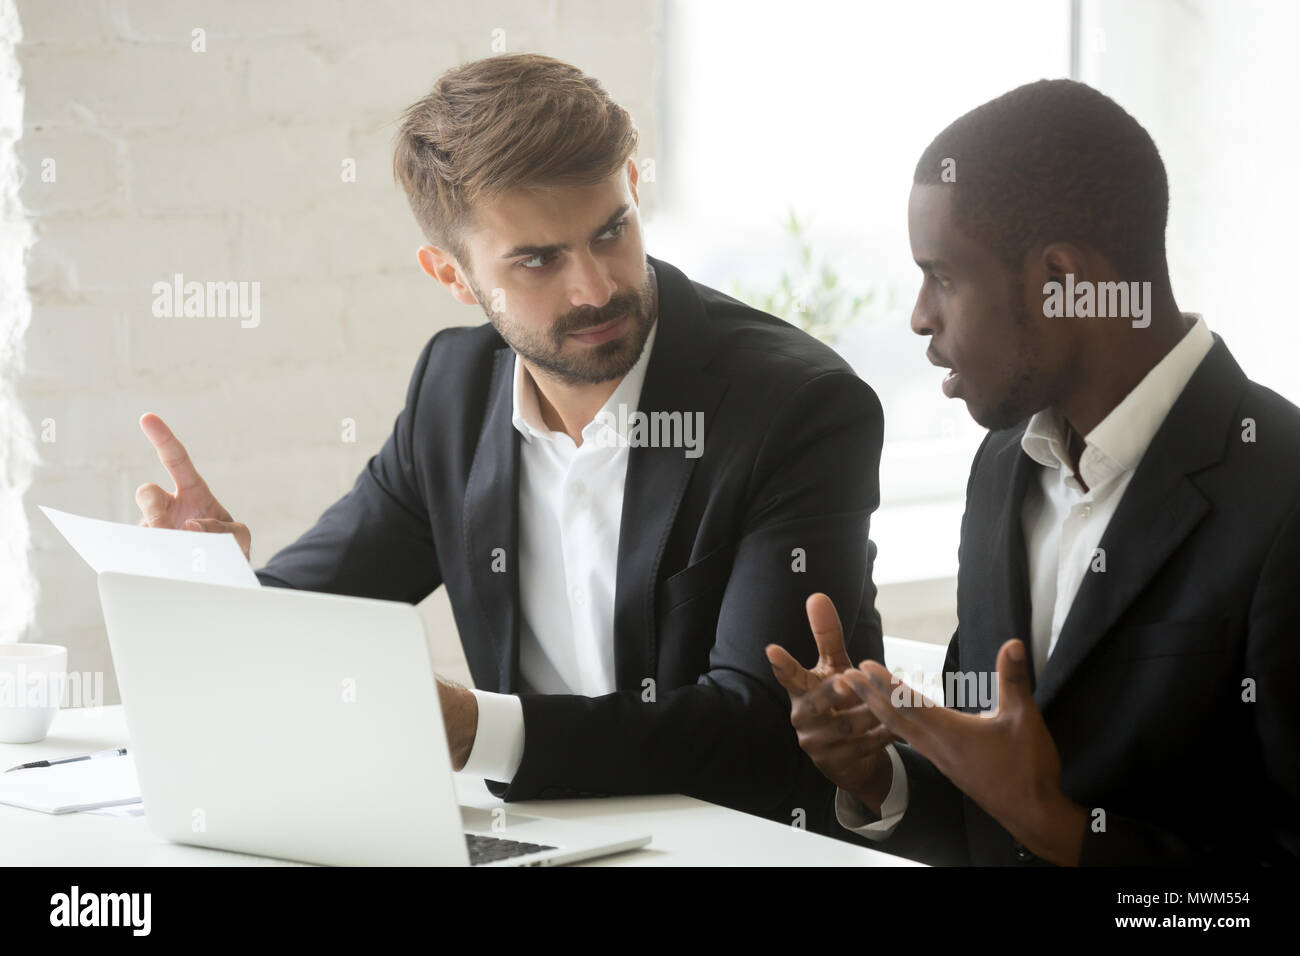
(1158, 511)
(1009, 569)
(657, 477)
(491, 521)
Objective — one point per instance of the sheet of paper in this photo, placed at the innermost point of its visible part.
(156, 552)
(123, 810)
(65, 787)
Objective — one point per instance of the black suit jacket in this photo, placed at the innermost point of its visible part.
(706, 558)
(1143, 693)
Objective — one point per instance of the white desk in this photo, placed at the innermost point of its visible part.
(687, 832)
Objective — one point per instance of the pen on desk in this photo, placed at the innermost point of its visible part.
(115, 752)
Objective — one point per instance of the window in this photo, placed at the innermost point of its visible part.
(822, 111)
(1214, 84)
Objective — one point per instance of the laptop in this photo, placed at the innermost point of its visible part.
(304, 726)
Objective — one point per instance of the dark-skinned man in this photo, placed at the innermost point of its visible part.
(1131, 542)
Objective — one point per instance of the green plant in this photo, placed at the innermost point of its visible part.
(811, 297)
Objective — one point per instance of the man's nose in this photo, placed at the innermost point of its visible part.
(590, 282)
(925, 318)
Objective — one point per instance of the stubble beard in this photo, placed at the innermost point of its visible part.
(584, 365)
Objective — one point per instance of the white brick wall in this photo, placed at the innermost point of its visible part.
(225, 166)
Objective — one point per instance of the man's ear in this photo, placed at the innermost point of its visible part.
(440, 264)
(1061, 258)
(632, 175)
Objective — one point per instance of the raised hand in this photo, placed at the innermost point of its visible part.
(192, 506)
(834, 727)
(1005, 760)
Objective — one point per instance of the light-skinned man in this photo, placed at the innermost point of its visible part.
(625, 480)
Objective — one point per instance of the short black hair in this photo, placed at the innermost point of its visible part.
(1054, 161)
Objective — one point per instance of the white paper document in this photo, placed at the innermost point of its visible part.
(155, 552)
(126, 810)
(66, 787)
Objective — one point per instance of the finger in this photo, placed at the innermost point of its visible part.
(865, 744)
(859, 681)
(838, 694)
(1014, 692)
(215, 526)
(846, 752)
(827, 632)
(171, 453)
(153, 503)
(890, 700)
(939, 733)
(824, 699)
(844, 727)
(243, 537)
(876, 738)
(788, 671)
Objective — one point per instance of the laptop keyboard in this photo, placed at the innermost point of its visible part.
(488, 849)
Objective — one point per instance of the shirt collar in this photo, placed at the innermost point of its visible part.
(526, 413)
(1119, 440)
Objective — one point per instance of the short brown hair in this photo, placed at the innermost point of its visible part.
(499, 123)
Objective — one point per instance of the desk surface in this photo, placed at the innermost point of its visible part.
(686, 832)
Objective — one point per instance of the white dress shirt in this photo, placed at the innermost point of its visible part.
(1063, 523)
(570, 511)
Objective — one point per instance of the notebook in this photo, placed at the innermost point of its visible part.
(68, 787)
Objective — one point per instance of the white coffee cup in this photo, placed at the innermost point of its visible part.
(32, 677)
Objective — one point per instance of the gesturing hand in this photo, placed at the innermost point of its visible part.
(1006, 761)
(834, 727)
(192, 506)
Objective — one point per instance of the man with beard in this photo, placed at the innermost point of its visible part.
(613, 586)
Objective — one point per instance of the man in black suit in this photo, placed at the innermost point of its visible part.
(626, 481)
(1130, 550)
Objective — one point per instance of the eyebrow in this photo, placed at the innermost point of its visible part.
(929, 265)
(531, 251)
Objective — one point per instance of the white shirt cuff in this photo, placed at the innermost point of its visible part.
(499, 740)
(853, 816)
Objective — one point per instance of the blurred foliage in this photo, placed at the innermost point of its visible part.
(812, 297)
